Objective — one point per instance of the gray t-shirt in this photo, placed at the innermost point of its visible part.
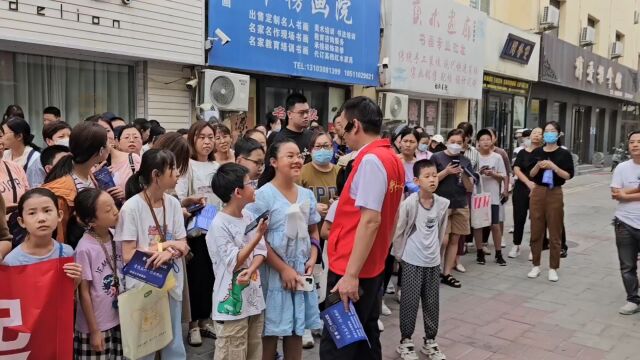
(19, 257)
(423, 246)
(627, 176)
(494, 162)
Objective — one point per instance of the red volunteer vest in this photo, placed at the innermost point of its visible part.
(343, 229)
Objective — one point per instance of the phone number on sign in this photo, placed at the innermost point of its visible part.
(333, 71)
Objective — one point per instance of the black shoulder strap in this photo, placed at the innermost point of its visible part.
(26, 164)
(12, 181)
(133, 167)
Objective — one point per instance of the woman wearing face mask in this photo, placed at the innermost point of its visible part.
(524, 184)
(423, 147)
(453, 174)
(320, 176)
(554, 166)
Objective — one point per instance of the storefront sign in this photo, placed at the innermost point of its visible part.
(156, 30)
(517, 49)
(335, 40)
(435, 47)
(571, 66)
(507, 85)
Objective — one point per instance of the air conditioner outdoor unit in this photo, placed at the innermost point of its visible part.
(226, 91)
(550, 16)
(395, 107)
(587, 36)
(617, 49)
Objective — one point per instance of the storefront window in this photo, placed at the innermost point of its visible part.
(559, 114)
(473, 113)
(430, 118)
(537, 113)
(78, 88)
(447, 117)
(519, 105)
(415, 112)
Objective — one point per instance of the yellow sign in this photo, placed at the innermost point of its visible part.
(507, 85)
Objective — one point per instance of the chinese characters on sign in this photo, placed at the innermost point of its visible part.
(517, 49)
(436, 47)
(333, 40)
(611, 79)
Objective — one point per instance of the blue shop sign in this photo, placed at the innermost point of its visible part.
(333, 40)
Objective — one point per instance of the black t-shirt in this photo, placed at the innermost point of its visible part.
(303, 139)
(526, 162)
(452, 187)
(561, 157)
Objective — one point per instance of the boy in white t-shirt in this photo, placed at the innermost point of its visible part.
(237, 250)
(422, 223)
(493, 172)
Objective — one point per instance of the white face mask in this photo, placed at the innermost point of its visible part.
(63, 142)
(454, 149)
(276, 128)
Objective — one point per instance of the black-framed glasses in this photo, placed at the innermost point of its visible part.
(323, 146)
(259, 164)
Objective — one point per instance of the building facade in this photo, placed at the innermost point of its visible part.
(432, 53)
(317, 48)
(88, 57)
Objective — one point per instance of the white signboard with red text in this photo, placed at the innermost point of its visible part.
(434, 47)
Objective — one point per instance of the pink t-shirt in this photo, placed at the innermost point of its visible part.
(122, 171)
(96, 270)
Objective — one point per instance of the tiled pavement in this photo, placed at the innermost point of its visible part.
(500, 314)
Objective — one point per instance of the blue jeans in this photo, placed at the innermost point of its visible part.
(175, 350)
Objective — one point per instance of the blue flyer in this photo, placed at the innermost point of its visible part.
(137, 269)
(345, 327)
(200, 223)
(104, 178)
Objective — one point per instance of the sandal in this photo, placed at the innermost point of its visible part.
(451, 281)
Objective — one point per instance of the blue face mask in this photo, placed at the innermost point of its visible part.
(322, 156)
(423, 148)
(550, 137)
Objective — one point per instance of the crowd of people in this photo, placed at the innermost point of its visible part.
(348, 208)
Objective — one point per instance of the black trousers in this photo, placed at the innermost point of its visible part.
(520, 210)
(388, 272)
(368, 310)
(201, 279)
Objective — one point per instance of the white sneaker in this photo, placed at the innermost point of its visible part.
(503, 245)
(553, 275)
(307, 340)
(432, 350)
(390, 288)
(398, 295)
(194, 339)
(460, 268)
(380, 325)
(511, 231)
(385, 309)
(515, 252)
(407, 350)
(530, 256)
(534, 273)
(629, 308)
(486, 250)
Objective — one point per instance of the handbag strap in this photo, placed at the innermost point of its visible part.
(161, 230)
(131, 164)
(12, 181)
(26, 164)
(59, 250)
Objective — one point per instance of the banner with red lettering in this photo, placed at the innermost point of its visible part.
(36, 311)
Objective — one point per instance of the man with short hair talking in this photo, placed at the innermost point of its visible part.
(365, 219)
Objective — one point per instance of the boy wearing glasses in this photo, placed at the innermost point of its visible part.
(297, 128)
(250, 154)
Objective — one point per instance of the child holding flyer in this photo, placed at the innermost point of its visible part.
(236, 256)
(97, 322)
(422, 222)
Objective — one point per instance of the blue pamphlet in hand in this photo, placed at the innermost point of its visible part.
(345, 327)
(104, 178)
(137, 269)
(547, 178)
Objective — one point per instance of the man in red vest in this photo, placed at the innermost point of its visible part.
(365, 219)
